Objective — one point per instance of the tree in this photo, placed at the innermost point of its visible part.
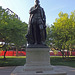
(63, 31)
(12, 30)
(48, 35)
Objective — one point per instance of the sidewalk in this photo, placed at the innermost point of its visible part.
(8, 70)
(68, 70)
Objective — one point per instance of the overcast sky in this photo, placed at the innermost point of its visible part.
(51, 8)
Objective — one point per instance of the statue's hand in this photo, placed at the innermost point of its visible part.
(45, 26)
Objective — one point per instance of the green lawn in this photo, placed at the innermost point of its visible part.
(20, 60)
(63, 62)
(13, 61)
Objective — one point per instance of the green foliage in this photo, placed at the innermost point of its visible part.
(48, 33)
(63, 30)
(12, 30)
(61, 35)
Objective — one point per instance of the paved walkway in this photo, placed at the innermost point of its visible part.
(8, 70)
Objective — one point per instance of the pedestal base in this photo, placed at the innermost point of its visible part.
(19, 71)
(37, 63)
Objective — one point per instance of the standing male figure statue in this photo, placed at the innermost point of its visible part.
(37, 25)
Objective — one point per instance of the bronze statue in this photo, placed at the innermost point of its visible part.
(37, 25)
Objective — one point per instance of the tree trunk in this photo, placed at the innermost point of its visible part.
(16, 51)
(67, 53)
(5, 54)
(62, 53)
(70, 53)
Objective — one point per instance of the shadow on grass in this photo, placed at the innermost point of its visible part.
(12, 62)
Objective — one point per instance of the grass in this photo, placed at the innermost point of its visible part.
(20, 61)
(63, 62)
(12, 61)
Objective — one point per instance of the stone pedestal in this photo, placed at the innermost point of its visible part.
(38, 59)
(37, 63)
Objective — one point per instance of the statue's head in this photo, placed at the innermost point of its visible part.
(37, 2)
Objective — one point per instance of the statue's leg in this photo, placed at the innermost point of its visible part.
(42, 33)
(35, 37)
